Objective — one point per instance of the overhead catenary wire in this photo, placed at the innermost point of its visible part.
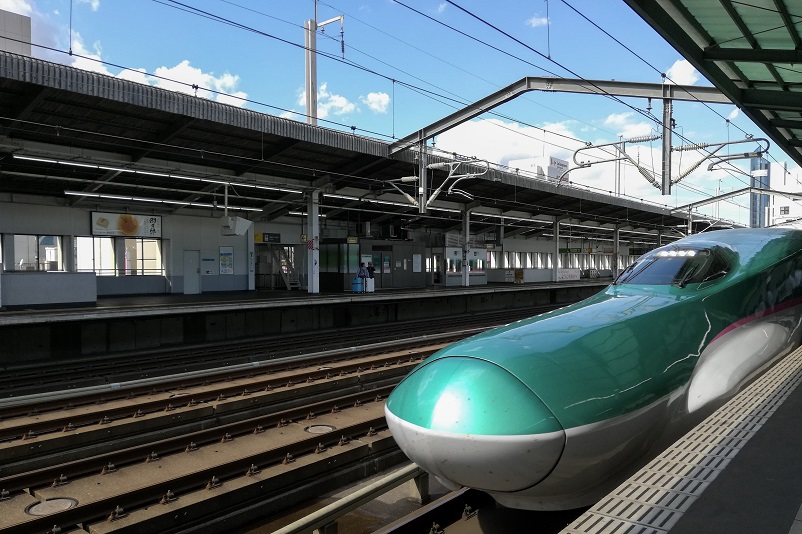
(274, 107)
(455, 102)
(418, 89)
(483, 21)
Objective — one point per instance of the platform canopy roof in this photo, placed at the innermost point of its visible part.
(750, 50)
(73, 137)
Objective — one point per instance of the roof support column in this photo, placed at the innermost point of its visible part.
(690, 220)
(556, 263)
(251, 257)
(667, 118)
(423, 185)
(313, 243)
(466, 232)
(616, 252)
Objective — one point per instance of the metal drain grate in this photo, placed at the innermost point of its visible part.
(655, 498)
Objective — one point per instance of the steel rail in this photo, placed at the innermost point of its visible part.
(179, 444)
(99, 415)
(150, 494)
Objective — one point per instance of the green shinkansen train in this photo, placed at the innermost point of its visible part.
(554, 411)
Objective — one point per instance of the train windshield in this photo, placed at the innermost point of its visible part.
(675, 267)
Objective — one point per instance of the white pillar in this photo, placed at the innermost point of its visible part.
(68, 253)
(666, 185)
(690, 221)
(466, 228)
(556, 263)
(313, 243)
(616, 252)
(251, 246)
(310, 43)
(423, 184)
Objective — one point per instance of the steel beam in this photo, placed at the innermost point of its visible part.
(562, 85)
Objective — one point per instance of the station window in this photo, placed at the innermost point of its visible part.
(287, 259)
(339, 257)
(37, 253)
(493, 259)
(95, 254)
(545, 260)
(143, 256)
(785, 210)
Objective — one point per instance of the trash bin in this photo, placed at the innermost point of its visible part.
(356, 285)
(370, 283)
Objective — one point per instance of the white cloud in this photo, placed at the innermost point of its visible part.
(184, 78)
(625, 127)
(86, 59)
(378, 102)
(537, 21)
(332, 104)
(499, 142)
(94, 4)
(135, 75)
(20, 7)
(441, 7)
(233, 99)
(682, 73)
(734, 114)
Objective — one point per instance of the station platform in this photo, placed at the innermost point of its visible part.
(738, 472)
(138, 322)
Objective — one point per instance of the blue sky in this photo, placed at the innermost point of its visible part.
(407, 64)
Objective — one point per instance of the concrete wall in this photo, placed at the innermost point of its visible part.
(40, 288)
(55, 340)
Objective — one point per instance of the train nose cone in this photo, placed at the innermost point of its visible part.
(472, 423)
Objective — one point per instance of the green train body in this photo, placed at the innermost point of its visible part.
(552, 411)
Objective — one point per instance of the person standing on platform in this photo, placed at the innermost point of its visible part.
(371, 269)
(362, 274)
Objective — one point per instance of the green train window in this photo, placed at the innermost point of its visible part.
(678, 267)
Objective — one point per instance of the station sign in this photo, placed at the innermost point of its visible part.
(125, 224)
(267, 237)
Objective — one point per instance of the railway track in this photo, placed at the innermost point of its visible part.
(208, 450)
(117, 470)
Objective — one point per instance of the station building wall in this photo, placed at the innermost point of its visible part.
(179, 233)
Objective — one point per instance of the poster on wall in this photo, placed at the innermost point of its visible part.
(126, 224)
(226, 260)
(416, 263)
(208, 266)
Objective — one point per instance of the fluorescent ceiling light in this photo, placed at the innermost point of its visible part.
(156, 201)
(344, 197)
(302, 214)
(158, 174)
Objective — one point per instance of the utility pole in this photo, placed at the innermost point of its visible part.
(310, 46)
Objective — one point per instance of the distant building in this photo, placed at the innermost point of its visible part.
(759, 171)
(783, 209)
(546, 167)
(15, 33)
